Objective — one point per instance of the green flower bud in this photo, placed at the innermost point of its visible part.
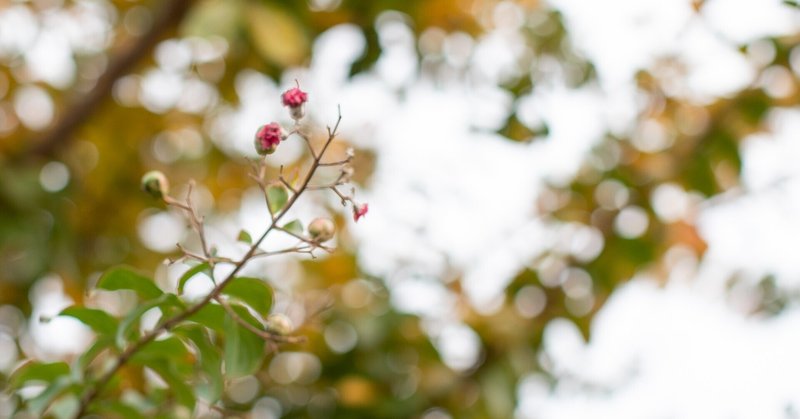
(156, 184)
(279, 324)
(321, 230)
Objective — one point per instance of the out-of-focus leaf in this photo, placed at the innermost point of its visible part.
(176, 384)
(213, 18)
(88, 356)
(244, 237)
(295, 226)
(211, 316)
(276, 35)
(38, 404)
(210, 362)
(65, 407)
(243, 348)
(116, 409)
(98, 320)
(171, 349)
(37, 371)
(251, 291)
(127, 323)
(278, 196)
(202, 267)
(125, 278)
(515, 130)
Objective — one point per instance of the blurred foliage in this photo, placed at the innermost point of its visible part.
(393, 370)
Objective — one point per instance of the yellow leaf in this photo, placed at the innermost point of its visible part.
(277, 36)
(213, 18)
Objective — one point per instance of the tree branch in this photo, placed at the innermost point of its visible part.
(76, 113)
(123, 358)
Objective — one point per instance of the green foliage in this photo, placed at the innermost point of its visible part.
(244, 350)
(99, 321)
(125, 278)
(211, 316)
(278, 196)
(294, 226)
(244, 237)
(55, 389)
(202, 267)
(251, 291)
(125, 332)
(184, 395)
(36, 371)
(211, 386)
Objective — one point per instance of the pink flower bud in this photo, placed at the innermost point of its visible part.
(295, 99)
(268, 137)
(360, 211)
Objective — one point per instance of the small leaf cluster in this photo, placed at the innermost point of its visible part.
(194, 359)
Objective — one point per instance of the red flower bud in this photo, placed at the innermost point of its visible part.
(360, 211)
(294, 97)
(268, 137)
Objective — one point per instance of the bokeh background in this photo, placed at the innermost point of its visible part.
(577, 208)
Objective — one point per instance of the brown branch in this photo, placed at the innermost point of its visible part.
(76, 113)
(123, 358)
(313, 244)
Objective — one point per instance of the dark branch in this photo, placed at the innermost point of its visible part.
(77, 112)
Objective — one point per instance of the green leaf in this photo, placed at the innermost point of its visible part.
(37, 371)
(202, 267)
(38, 404)
(125, 278)
(89, 355)
(251, 291)
(210, 362)
(211, 316)
(294, 226)
(243, 349)
(117, 409)
(98, 320)
(244, 237)
(278, 197)
(176, 384)
(65, 407)
(162, 302)
(170, 349)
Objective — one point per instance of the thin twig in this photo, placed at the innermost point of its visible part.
(296, 249)
(344, 198)
(197, 222)
(123, 358)
(209, 259)
(285, 182)
(263, 334)
(308, 143)
(305, 239)
(337, 163)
